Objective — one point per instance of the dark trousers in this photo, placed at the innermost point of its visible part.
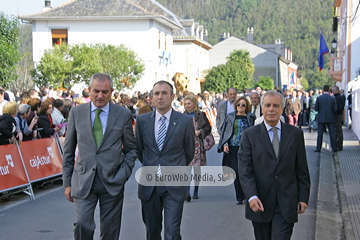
(339, 132)
(110, 213)
(332, 133)
(226, 162)
(276, 229)
(240, 196)
(152, 215)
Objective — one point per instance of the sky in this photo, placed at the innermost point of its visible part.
(26, 7)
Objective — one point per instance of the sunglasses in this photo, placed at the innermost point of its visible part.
(241, 104)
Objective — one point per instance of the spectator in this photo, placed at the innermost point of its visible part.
(85, 94)
(28, 131)
(46, 126)
(33, 93)
(78, 101)
(57, 115)
(35, 105)
(8, 124)
(45, 96)
(2, 100)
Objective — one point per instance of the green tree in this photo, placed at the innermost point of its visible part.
(236, 72)
(317, 79)
(65, 65)
(265, 83)
(9, 44)
(304, 83)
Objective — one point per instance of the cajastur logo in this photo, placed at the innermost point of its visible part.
(37, 161)
(4, 170)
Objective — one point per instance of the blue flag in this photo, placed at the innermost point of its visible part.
(323, 50)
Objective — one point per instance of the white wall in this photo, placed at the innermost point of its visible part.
(139, 35)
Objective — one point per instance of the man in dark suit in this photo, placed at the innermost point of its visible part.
(326, 107)
(273, 172)
(340, 103)
(107, 154)
(164, 138)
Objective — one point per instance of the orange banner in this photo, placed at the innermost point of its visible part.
(12, 173)
(42, 158)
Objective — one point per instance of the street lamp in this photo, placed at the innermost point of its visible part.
(333, 47)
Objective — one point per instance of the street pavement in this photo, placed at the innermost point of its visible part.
(213, 216)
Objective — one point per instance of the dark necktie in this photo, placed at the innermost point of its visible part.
(97, 129)
(254, 112)
(275, 141)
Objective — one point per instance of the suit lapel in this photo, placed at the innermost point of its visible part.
(284, 140)
(88, 123)
(151, 128)
(172, 125)
(112, 117)
(264, 139)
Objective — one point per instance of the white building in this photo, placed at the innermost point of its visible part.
(345, 64)
(144, 26)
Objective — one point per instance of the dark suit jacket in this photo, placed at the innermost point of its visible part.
(326, 107)
(221, 115)
(44, 124)
(285, 180)
(113, 159)
(178, 148)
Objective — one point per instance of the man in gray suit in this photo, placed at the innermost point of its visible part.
(107, 153)
(164, 138)
(225, 107)
(273, 172)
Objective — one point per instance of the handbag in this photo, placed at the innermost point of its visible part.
(209, 142)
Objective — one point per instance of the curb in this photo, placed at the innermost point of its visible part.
(347, 229)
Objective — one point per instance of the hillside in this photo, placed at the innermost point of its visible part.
(295, 22)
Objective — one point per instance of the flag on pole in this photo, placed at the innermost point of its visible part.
(292, 78)
(323, 50)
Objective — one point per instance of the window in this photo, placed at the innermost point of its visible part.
(165, 41)
(59, 36)
(159, 40)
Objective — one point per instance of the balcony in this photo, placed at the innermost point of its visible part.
(336, 68)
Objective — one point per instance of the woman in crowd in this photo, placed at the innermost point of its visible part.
(235, 124)
(8, 124)
(45, 124)
(29, 132)
(202, 129)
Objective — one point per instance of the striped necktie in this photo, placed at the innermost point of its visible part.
(161, 134)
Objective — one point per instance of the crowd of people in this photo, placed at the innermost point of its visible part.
(45, 113)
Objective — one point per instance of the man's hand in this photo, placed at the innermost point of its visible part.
(301, 207)
(256, 205)
(68, 194)
(226, 148)
(197, 133)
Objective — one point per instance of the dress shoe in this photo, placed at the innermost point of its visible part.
(239, 202)
(195, 196)
(317, 150)
(188, 199)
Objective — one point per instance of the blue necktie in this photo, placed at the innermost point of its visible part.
(161, 134)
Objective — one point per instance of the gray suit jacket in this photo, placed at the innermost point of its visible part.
(178, 148)
(284, 179)
(221, 115)
(113, 159)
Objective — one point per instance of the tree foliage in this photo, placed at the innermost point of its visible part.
(236, 72)
(317, 79)
(265, 83)
(9, 44)
(65, 65)
(295, 22)
(304, 82)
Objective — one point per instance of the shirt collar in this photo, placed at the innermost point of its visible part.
(268, 127)
(167, 115)
(104, 109)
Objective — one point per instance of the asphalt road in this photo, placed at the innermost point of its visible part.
(213, 216)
